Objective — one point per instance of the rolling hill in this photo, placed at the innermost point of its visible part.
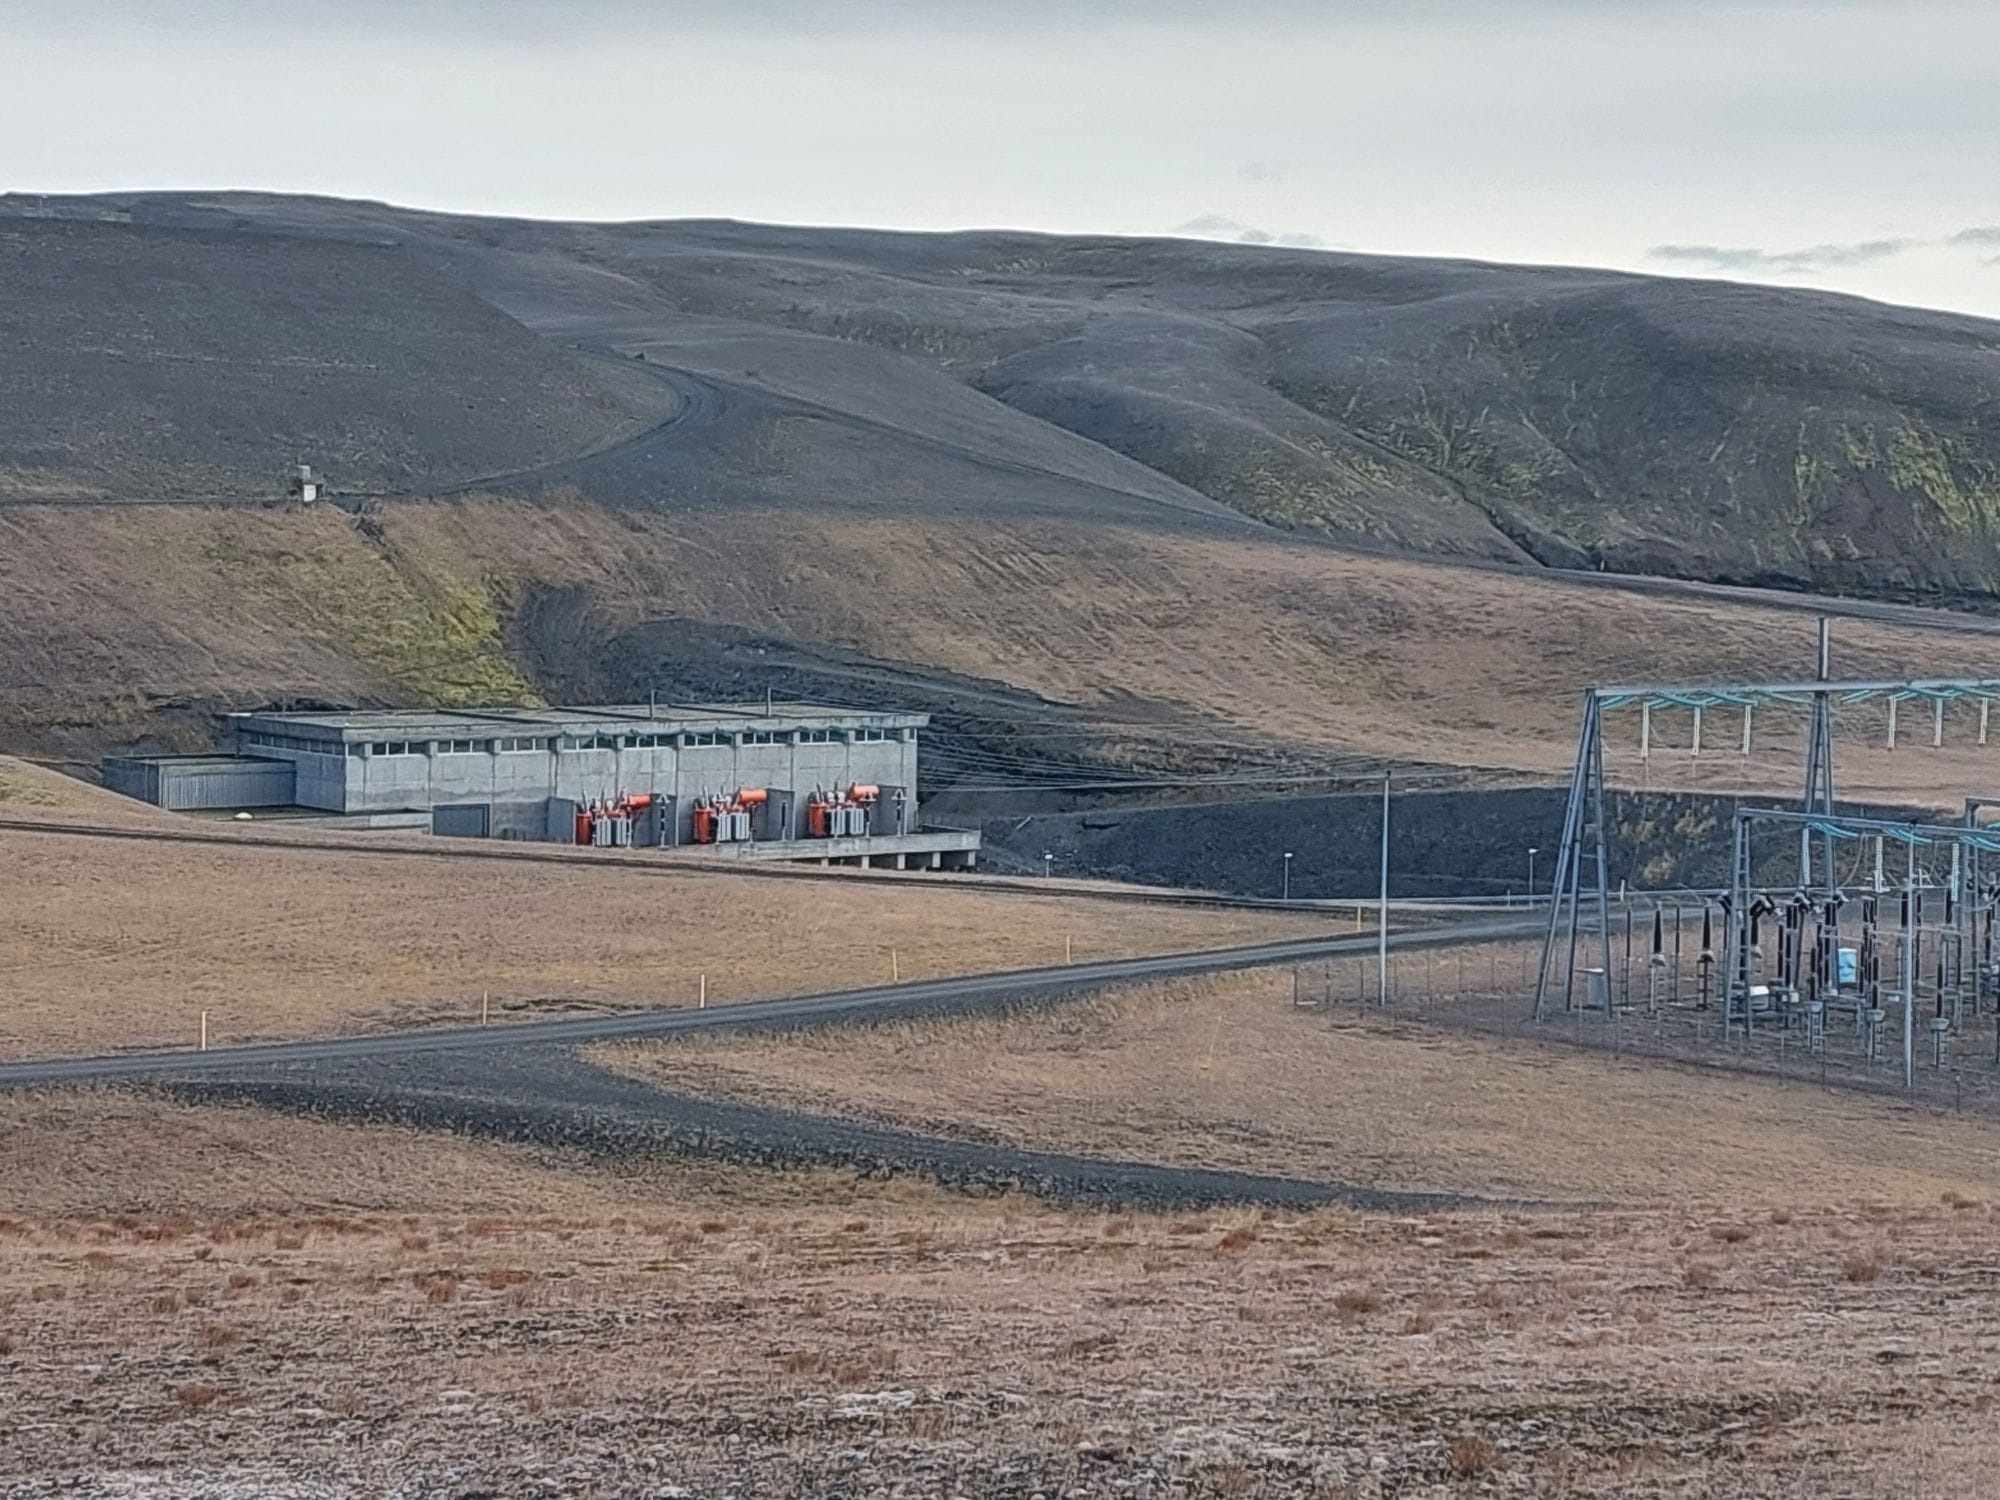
(1553, 416)
(1191, 496)
(151, 363)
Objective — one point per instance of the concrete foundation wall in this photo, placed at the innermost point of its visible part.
(319, 780)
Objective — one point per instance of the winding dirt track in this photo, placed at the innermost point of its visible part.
(525, 1084)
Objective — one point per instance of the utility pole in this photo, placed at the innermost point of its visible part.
(1286, 889)
(1910, 976)
(1532, 852)
(1819, 770)
(1382, 908)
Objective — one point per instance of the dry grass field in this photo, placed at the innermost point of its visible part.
(1260, 640)
(31, 791)
(111, 945)
(1226, 1072)
(216, 1303)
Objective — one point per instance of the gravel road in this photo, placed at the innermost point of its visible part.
(526, 1084)
(926, 997)
(548, 1096)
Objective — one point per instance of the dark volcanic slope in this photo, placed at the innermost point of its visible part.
(1567, 417)
(141, 362)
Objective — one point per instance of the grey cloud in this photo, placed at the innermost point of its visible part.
(1213, 226)
(567, 18)
(1261, 171)
(1985, 234)
(1783, 262)
(1210, 224)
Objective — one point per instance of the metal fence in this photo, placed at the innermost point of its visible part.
(1488, 993)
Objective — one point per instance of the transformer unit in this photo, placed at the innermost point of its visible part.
(726, 820)
(841, 815)
(608, 825)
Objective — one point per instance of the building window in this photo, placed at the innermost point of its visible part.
(870, 736)
(297, 743)
(605, 742)
(816, 737)
(356, 751)
(705, 737)
(763, 737)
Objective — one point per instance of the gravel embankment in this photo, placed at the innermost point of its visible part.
(549, 1097)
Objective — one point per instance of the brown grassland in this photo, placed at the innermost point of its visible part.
(1224, 1071)
(217, 1302)
(111, 945)
(1684, 1284)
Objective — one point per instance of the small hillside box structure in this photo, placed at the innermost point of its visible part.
(202, 783)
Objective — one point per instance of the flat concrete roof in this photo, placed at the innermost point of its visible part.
(635, 718)
(213, 761)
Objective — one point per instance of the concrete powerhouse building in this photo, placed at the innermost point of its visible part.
(529, 773)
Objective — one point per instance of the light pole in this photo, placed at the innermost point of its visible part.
(1048, 864)
(1532, 852)
(1382, 909)
(1287, 894)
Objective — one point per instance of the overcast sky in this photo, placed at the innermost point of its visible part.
(1852, 144)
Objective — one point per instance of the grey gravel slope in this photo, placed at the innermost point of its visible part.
(1562, 416)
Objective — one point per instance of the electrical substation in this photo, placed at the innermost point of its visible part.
(1850, 949)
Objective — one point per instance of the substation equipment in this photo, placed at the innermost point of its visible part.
(1922, 947)
(1904, 945)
